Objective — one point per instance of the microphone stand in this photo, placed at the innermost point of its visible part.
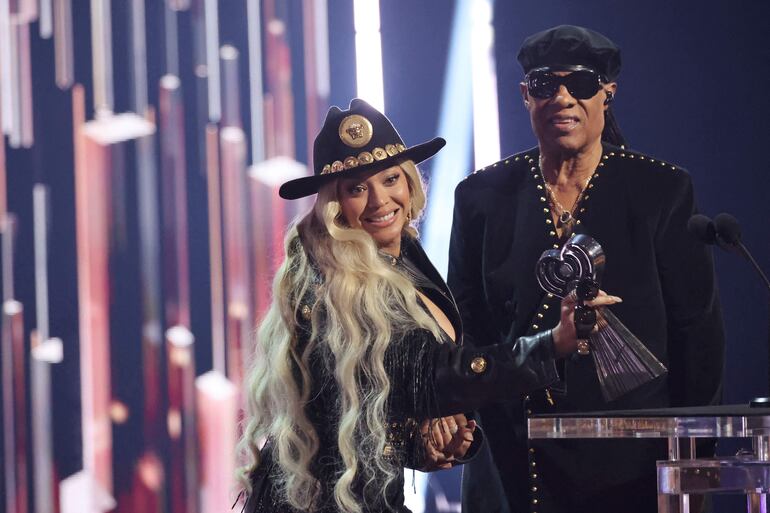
(759, 402)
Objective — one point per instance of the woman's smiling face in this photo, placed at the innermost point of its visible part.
(377, 203)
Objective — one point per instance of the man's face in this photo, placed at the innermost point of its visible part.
(565, 123)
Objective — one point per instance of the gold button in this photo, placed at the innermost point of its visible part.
(306, 311)
(479, 364)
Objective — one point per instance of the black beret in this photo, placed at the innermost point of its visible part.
(568, 45)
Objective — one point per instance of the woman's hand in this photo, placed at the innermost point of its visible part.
(564, 334)
(446, 439)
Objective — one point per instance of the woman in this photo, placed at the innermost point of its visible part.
(362, 345)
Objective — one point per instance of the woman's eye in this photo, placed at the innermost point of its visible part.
(356, 189)
(391, 179)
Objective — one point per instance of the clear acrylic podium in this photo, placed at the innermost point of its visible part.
(682, 475)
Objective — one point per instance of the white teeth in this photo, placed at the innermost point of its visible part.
(383, 218)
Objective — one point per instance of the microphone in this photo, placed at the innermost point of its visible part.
(703, 228)
(725, 232)
(728, 229)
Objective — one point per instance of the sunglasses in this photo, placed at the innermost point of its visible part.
(581, 84)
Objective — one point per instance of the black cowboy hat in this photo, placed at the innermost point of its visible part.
(354, 141)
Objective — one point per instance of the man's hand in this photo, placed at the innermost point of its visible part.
(446, 439)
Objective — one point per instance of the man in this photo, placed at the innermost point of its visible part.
(581, 179)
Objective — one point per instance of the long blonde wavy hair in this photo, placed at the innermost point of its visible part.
(361, 303)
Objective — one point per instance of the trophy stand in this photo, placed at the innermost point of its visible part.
(679, 477)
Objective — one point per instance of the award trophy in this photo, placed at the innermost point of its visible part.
(622, 362)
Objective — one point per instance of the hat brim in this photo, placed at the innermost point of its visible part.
(307, 185)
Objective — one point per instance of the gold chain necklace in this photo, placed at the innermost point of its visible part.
(565, 219)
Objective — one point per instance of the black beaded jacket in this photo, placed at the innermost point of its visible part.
(637, 208)
(429, 379)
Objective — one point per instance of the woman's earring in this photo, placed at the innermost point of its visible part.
(409, 217)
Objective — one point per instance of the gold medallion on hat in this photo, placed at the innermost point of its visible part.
(355, 131)
(391, 150)
(379, 154)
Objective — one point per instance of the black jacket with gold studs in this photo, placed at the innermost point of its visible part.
(428, 380)
(637, 208)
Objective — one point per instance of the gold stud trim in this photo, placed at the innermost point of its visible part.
(306, 311)
(364, 158)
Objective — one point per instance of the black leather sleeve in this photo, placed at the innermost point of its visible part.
(468, 378)
(431, 380)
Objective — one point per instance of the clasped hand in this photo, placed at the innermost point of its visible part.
(446, 440)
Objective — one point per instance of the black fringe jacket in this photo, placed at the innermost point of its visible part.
(429, 379)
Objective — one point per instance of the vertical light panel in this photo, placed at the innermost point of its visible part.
(270, 216)
(231, 95)
(217, 401)
(455, 125)
(216, 260)
(369, 53)
(254, 28)
(174, 200)
(40, 227)
(486, 126)
(44, 354)
(26, 132)
(46, 19)
(279, 98)
(101, 49)
(7, 231)
(7, 75)
(94, 161)
(211, 18)
(316, 46)
(180, 420)
(237, 249)
(63, 43)
(171, 39)
(138, 57)
(14, 408)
